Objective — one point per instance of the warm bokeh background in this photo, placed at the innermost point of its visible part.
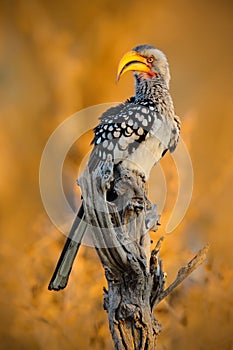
(57, 57)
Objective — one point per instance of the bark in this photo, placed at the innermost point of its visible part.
(121, 216)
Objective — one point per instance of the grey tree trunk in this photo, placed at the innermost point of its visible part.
(121, 216)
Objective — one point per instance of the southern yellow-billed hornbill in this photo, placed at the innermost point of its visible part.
(137, 133)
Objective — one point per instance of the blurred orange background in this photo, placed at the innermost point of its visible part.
(58, 57)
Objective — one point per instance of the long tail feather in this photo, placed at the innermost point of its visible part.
(62, 271)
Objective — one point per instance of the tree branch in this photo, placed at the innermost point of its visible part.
(120, 214)
(184, 272)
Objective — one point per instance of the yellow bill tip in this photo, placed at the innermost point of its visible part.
(132, 61)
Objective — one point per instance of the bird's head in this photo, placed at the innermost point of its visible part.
(147, 62)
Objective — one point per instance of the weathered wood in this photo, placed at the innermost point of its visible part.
(116, 206)
(184, 272)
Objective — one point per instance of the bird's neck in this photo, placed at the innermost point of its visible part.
(153, 90)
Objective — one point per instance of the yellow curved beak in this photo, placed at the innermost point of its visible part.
(132, 61)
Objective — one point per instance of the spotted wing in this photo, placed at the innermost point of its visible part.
(122, 129)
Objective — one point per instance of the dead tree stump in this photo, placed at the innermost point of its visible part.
(121, 216)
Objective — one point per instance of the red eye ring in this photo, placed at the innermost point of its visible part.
(150, 59)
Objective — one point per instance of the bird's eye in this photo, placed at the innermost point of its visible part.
(150, 59)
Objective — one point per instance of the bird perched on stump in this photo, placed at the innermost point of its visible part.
(136, 133)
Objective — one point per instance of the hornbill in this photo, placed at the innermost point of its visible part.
(136, 133)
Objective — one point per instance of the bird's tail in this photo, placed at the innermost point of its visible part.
(62, 271)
